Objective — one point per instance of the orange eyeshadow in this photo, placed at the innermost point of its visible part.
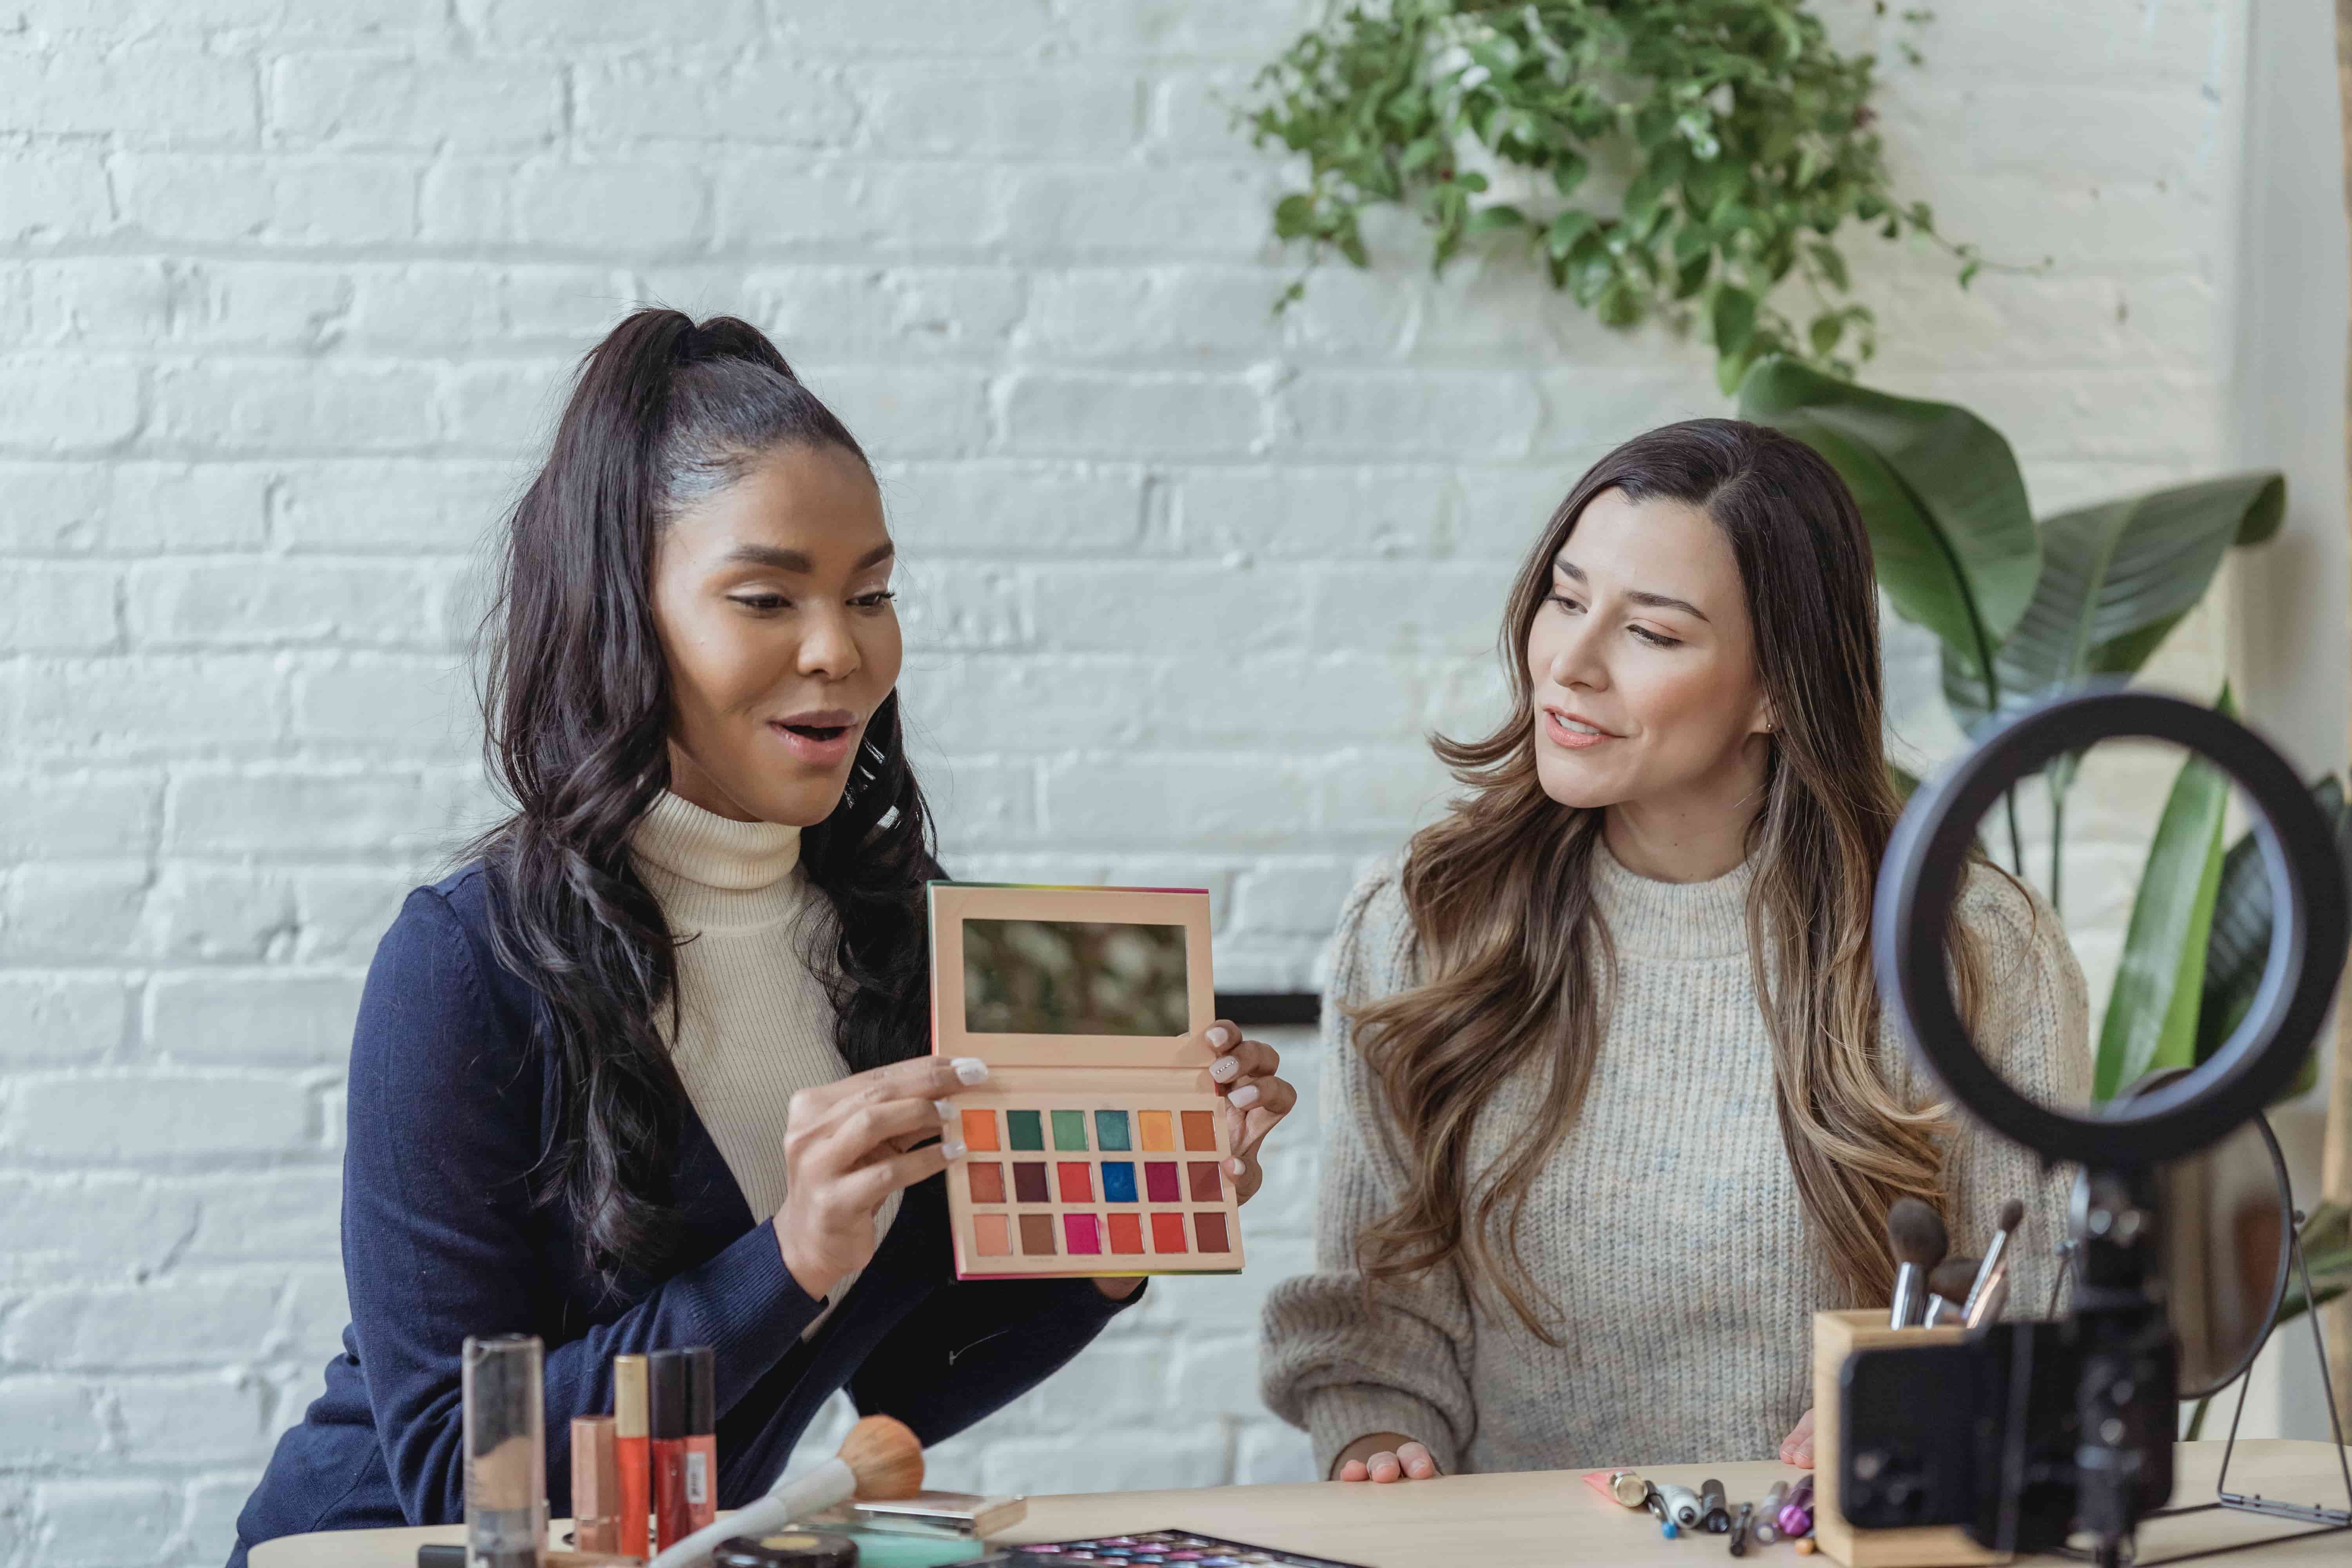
(1168, 1232)
(980, 1130)
(1159, 1128)
(1127, 1233)
(987, 1181)
(1200, 1130)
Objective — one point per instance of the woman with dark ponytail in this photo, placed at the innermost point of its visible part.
(651, 1069)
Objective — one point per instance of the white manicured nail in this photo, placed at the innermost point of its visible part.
(971, 1069)
(1246, 1094)
(1221, 1036)
(1224, 1069)
(946, 1108)
(1235, 1167)
(952, 1148)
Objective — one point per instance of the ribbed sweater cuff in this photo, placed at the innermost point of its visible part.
(1338, 1416)
(747, 1306)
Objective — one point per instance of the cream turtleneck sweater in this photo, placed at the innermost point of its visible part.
(755, 1022)
(1665, 1228)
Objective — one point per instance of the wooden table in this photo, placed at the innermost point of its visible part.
(1535, 1519)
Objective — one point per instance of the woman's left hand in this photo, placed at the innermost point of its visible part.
(1797, 1448)
(1255, 1100)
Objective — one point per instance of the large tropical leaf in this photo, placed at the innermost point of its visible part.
(2114, 579)
(2151, 1020)
(2238, 943)
(1939, 491)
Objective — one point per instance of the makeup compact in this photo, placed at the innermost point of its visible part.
(1098, 1144)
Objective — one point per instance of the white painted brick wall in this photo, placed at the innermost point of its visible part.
(288, 288)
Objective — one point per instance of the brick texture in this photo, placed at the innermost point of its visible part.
(288, 288)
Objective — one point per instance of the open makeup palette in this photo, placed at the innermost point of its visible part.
(1097, 1145)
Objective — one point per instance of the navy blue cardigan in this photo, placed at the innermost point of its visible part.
(450, 1108)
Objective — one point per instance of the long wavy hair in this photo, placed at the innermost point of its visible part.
(576, 705)
(1516, 958)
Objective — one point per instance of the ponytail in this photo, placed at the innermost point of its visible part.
(576, 705)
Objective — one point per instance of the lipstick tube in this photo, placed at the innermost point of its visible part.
(595, 1485)
(632, 1447)
(702, 1435)
(666, 1399)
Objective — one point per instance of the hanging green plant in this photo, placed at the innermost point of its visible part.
(1739, 139)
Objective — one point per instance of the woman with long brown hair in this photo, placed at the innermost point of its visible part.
(1610, 1105)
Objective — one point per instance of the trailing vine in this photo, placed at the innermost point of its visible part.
(1694, 160)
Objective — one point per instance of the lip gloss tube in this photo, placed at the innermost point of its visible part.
(595, 1485)
(632, 1447)
(702, 1435)
(665, 1390)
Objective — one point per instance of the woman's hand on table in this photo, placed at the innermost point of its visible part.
(848, 1145)
(1797, 1448)
(1383, 1457)
(1255, 1100)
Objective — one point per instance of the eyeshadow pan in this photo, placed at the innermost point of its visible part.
(1203, 1175)
(1126, 1232)
(1159, 1128)
(1029, 1182)
(1027, 1131)
(1200, 1130)
(1118, 1181)
(1070, 1130)
(1037, 1235)
(1211, 1229)
(987, 1178)
(1080, 1232)
(1076, 1181)
(1166, 1232)
(994, 1234)
(980, 1130)
(1110, 1129)
(1159, 1181)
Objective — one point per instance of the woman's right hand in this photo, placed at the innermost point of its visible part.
(848, 1147)
(1384, 1456)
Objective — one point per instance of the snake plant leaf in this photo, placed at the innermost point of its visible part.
(2151, 1019)
(1939, 491)
(2114, 579)
(2238, 943)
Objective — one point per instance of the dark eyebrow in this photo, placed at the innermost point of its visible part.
(1568, 568)
(795, 560)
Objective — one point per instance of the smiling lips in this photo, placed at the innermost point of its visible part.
(1572, 731)
(822, 737)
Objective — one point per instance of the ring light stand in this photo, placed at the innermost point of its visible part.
(2075, 1427)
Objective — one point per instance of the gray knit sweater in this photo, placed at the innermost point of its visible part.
(1666, 1227)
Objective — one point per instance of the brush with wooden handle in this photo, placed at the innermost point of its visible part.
(880, 1459)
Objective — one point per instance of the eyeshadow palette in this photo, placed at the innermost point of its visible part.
(1098, 1144)
(1161, 1546)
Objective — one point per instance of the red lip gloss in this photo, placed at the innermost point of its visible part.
(702, 1435)
(632, 1445)
(666, 1385)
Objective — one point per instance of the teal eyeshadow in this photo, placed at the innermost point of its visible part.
(1027, 1131)
(1069, 1131)
(1110, 1129)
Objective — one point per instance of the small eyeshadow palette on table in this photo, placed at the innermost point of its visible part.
(1098, 1144)
(1161, 1546)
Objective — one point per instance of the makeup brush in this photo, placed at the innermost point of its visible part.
(1917, 1233)
(1948, 1284)
(880, 1458)
(1996, 1257)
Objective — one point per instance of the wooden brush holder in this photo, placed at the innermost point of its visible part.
(1837, 1335)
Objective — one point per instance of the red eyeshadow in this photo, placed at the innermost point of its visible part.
(1126, 1232)
(1211, 1229)
(1205, 1187)
(1200, 1131)
(1078, 1181)
(1159, 1181)
(1168, 1233)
